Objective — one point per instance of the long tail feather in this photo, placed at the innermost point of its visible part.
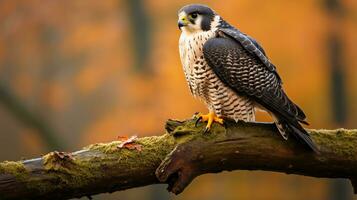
(298, 132)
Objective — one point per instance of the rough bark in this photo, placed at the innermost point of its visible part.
(177, 157)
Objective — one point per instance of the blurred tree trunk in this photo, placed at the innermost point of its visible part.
(30, 119)
(340, 188)
(141, 35)
(140, 31)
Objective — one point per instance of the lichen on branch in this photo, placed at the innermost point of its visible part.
(177, 157)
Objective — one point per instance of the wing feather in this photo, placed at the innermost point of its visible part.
(256, 50)
(251, 45)
(241, 66)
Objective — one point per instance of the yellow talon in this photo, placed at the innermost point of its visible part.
(210, 118)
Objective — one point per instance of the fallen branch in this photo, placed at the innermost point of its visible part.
(178, 156)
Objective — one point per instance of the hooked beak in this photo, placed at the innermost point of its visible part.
(182, 22)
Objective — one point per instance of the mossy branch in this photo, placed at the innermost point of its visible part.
(177, 157)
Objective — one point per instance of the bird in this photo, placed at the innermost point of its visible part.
(231, 74)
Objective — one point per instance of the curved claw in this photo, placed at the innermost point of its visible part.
(209, 118)
(225, 124)
(198, 120)
(207, 129)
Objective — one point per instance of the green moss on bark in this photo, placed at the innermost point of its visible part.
(16, 169)
(111, 167)
(189, 131)
(155, 145)
(341, 141)
(65, 171)
(76, 171)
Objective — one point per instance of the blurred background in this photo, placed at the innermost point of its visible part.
(74, 73)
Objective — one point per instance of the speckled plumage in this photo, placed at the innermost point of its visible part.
(204, 83)
(230, 72)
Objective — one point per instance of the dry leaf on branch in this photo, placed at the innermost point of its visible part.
(128, 143)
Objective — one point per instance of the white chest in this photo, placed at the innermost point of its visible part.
(192, 59)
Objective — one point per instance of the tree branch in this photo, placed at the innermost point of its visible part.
(178, 156)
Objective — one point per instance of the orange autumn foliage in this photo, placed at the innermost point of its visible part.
(73, 63)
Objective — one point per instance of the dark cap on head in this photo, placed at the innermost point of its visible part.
(197, 8)
(207, 15)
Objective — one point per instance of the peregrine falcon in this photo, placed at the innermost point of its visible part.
(230, 72)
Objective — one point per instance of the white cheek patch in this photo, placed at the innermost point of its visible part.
(215, 22)
(194, 27)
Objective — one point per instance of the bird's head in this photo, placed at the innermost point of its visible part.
(196, 18)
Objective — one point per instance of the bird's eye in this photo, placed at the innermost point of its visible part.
(194, 15)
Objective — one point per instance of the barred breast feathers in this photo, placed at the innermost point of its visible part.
(190, 47)
(203, 82)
